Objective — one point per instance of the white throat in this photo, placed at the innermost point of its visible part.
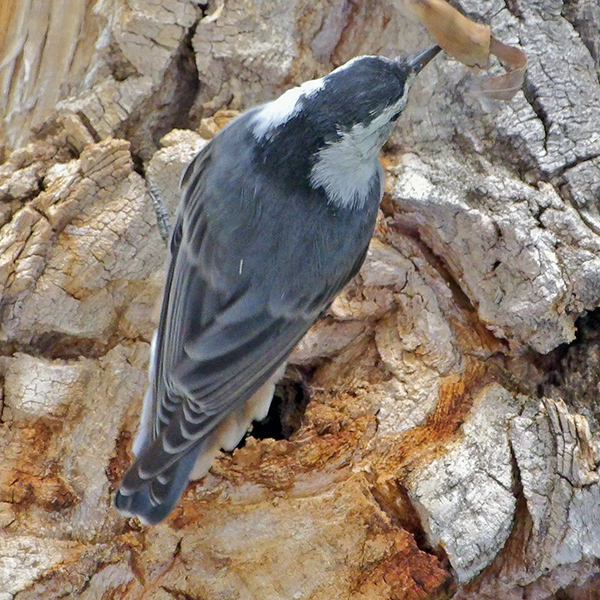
(345, 168)
(345, 173)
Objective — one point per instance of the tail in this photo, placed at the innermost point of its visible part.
(154, 483)
(156, 480)
(151, 494)
(153, 499)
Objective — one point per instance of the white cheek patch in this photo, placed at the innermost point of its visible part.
(282, 109)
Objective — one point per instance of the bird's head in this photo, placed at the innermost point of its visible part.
(332, 129)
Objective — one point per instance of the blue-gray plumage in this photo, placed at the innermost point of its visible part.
(276, 217)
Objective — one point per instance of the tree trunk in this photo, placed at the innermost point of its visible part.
(437, 431)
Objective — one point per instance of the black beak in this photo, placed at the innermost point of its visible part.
(416, 62)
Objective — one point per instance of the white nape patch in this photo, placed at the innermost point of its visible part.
(144, 435)
(282, 109)
(345, 168)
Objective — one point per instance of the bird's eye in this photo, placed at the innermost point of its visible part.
(395, 117)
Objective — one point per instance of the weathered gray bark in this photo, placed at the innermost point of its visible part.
(450, 441)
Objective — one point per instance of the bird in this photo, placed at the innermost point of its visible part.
(277, 212)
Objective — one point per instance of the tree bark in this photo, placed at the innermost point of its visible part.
(437, 432)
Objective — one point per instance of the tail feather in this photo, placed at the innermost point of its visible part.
(152, 486)
(155, 498)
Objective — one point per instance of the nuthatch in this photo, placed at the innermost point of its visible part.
(276, 217)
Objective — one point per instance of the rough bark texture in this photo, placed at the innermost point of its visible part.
(438, 431)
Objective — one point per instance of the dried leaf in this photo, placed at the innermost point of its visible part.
(504, 87)
(467, 41)
(471, 43)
